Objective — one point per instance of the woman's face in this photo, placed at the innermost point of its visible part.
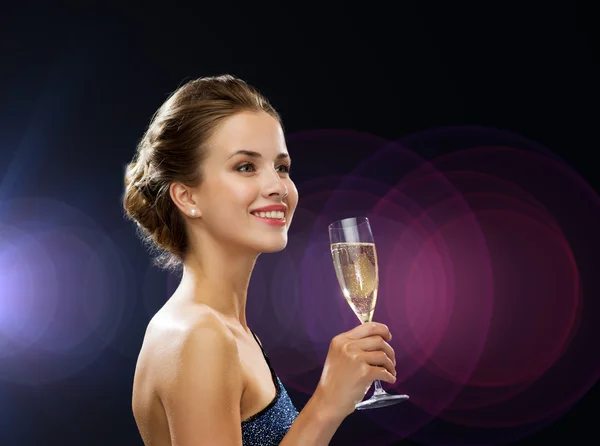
(247, 197)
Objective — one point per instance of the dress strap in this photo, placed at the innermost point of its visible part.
(257, 341)
(266, 358)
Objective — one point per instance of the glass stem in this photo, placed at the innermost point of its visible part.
(378, 389)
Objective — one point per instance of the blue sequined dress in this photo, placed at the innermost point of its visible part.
(269, 426)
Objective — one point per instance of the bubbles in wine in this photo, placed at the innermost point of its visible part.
(357, 273)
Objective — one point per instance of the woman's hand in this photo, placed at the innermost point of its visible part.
(355, 359)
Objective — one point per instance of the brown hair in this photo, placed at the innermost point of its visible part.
(173, 149)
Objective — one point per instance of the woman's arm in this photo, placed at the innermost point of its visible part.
(314, 426)
(354, 360)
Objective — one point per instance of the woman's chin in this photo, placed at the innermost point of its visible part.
(273, 246)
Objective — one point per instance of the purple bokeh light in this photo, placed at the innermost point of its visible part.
(481, 253)
(56, 285)
(27, 271)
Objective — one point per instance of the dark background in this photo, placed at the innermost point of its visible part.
(78, 86)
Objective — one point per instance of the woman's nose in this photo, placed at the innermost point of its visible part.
(275, 186)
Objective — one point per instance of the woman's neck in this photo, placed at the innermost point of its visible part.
(218, 278)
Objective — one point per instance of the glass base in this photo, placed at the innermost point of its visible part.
(381, 400)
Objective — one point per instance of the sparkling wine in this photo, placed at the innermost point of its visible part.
(356, 270)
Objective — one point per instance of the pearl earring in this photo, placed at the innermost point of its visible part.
(193, 212)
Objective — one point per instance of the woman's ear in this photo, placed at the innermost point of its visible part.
(183, 198)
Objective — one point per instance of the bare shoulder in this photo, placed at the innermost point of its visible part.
(205, 336)
(193, 364)
(196, 338)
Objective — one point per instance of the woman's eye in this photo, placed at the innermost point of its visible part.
(284, 168)
(246, 168)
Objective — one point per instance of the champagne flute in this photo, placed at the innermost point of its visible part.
(355, 262)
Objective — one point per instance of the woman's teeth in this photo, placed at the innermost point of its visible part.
(276, 215)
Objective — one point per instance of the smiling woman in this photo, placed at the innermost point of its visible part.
(210, 189)
(175, 148)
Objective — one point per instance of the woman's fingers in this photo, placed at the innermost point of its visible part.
(370, 329)
(375, 343)
(379, 359)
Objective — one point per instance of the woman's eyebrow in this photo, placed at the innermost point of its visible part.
(253, 154)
